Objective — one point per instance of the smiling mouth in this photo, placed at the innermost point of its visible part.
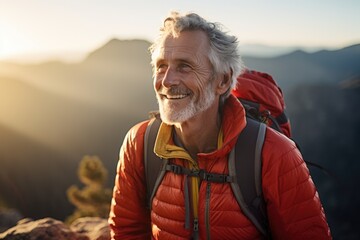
(175, 97)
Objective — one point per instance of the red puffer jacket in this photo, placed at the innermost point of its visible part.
(293, 205)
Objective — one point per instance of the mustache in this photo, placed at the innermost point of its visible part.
(175, 90)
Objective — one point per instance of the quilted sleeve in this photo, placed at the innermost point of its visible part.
(293, 204)
(129, 218)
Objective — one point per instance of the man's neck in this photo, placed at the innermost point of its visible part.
(200, 134)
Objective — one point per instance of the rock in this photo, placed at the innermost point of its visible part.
(42, 229)
(93, 227)
(87, 228)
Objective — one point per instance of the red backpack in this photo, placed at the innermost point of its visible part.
(263, 100)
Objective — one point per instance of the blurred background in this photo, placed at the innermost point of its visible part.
(75, 76)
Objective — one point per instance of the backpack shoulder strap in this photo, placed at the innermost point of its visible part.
(245, 165)
(154, 166)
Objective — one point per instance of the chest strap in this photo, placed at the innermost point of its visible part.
(202, 174)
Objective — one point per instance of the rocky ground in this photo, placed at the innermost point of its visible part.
(88, 228)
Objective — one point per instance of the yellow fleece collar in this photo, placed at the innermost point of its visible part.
(165, 147)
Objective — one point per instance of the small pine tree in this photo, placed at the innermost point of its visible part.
(94, 199)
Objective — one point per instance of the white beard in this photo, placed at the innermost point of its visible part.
(171, 114)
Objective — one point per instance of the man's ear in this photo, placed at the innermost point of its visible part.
(224, 83)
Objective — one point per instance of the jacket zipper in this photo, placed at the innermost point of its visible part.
(207, 210)
(196, 229)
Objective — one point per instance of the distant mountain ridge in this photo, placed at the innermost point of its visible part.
(266, 51)
(113, 49)
(300, 67)
(130, 59)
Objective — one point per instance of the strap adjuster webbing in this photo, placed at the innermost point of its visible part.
(203, 175)
(175, 169)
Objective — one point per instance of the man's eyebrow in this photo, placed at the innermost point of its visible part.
(176, 60)
(186, 60)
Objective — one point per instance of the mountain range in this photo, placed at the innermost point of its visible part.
(54, 113)
(300, 67)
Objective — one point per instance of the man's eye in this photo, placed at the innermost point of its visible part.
(184, 67)
(161, 68)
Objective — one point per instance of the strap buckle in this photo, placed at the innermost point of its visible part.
(215, 177)
(175, 169)
(202, 174)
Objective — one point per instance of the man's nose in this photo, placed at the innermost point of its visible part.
(171, 78)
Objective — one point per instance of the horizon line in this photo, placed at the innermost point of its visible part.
(76, 56)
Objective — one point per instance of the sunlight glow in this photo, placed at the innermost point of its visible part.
(39, 27)
(12, 41)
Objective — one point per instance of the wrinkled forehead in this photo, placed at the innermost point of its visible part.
(191, 44)
(178, 53)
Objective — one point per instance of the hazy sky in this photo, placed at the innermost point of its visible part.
(29, 27)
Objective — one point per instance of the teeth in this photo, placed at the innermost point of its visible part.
(176, 96)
